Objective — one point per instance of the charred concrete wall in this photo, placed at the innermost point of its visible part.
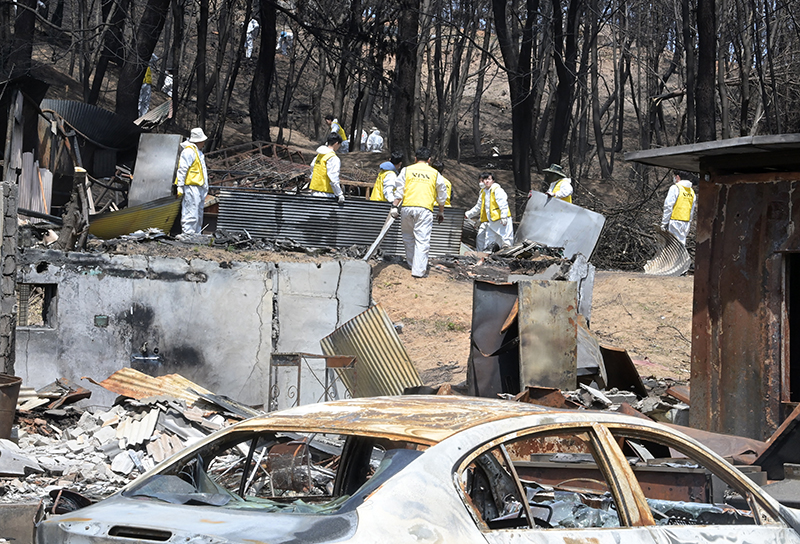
(8, 262)
(747, 225)
(214, 323)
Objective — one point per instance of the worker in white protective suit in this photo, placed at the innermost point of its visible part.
(192, 182)
(146, 91)
(250, 40)
(560, 186)
(496, 227)
(418, 185)
(325, 170)
(375, 141)
(386, 182)
(679, 206)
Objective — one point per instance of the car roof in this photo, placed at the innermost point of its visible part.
(418, 418)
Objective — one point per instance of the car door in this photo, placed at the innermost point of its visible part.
(551, 484)
(695, 496)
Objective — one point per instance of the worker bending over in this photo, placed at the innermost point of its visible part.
(325, 170)
(495, 225)
(385, 183)
(679, 206)
(418, 185)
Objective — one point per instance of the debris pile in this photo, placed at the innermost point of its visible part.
(95, 452)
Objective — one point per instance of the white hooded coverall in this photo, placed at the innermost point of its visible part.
(679, 228)
(333, 166)
(194, 196)
(493, 232)
(375, 142)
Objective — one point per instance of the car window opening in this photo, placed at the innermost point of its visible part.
(681, 489)
(279, 472)
(543, 468)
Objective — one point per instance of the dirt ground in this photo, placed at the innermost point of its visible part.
(648, 316)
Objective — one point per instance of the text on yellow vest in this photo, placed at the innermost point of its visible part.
(567, 198)
(320, 181)
(682, 210)
(377, 191)
(420, 189)
(194, 176)
(494, 209)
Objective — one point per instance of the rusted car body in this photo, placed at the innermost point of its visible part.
(436, 469)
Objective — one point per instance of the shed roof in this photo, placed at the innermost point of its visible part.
(749, 154)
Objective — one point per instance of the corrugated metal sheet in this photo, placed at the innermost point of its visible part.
(382, 364)
(159, 214)
(102, 127)
(320, 222)
(138, 385)
(672, 258)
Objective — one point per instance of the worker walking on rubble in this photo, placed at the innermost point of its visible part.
(336, 128)
(560, 184)
(494, 216)
(418, 185)
(192, 182)
(325, 170)
(679, 206)
(385, 183)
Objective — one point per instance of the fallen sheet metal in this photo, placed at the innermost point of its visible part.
(546, 396)
(621, 372)
(672, 259)
(547, 324)
(782, 447)
(158, 214)
(156, 162)
(382, 365)
(321, 222)
(493, 365)
(680, 392)
(555, 223)
(138, 385)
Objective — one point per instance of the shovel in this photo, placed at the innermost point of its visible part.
(379, 239)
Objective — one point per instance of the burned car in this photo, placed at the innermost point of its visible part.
(435, 469)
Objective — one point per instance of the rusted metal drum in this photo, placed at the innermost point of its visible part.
(9, 393)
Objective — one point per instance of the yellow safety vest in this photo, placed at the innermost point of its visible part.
(194, 176)
(377, 191)
(420, 186)
(449, 192)
(319, 179)
(494, 209)
(340, 131)
(682, 210)
(148, 77)
(557, 187)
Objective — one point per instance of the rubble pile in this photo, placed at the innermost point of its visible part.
(97, 451)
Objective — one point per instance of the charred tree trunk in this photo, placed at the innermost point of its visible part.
(262, 79)
(707, 47)
(202, 56)
(130, 78)
(24, 27)
(405, 74)
(114, 13)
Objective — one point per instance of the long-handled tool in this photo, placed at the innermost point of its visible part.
(386, 225)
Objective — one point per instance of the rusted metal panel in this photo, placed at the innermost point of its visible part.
(546, 396)
(621, 372)
(321, 222)
(158, 214)
(382, 364)
(738, 305)
(137, 385)
(782, 447)
(548, 334)
(490, 369)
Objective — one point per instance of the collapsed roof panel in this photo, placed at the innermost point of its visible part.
(102, 127)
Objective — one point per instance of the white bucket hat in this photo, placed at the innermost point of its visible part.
(197, 135)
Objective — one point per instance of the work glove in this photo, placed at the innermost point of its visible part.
(341, 198)
(394, 212)
(180, 191)
(440, 218)
(504, 221)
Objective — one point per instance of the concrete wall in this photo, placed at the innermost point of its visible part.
(214, 323)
